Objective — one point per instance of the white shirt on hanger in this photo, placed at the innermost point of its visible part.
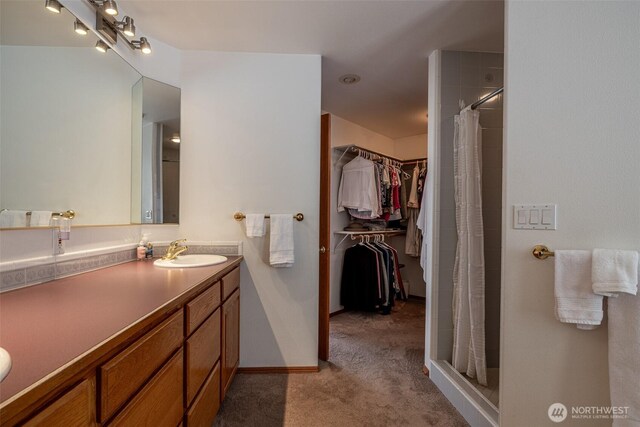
(358, 187)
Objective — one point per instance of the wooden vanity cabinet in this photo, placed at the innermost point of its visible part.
(176, 374)
(121, 376)
(230, 340)
(205, 407)
(76, 407)
(159, 403)
(203, 352)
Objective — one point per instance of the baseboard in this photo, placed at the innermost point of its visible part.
(425, 370)
(417, 297)
(279, 370)
(335, 313)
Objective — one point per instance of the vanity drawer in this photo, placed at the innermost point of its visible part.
(205, 407)
(159, 403)
(203, 350)
(125, 373)
(230, 283)
(74, 408)
(202, 306)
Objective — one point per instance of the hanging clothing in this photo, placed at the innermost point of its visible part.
(358, 187)
(413, 241)
(422, 224)
(468, 274)
(413, 195)
(371, 279)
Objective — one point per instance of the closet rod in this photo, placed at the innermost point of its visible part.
(354, 148)
(487, 98)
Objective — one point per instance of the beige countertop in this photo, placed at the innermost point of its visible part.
(75, 320)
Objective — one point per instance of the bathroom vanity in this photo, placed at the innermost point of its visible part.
(132, 344)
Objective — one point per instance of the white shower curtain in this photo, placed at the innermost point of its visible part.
(468, 274)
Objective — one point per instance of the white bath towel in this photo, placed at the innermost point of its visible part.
(255, 225)
(624, 357)
(574, 299)
(40, 218)
(13, 218)
(614, 271)
(281, 240)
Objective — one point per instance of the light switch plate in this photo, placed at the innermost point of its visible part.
(535, 217)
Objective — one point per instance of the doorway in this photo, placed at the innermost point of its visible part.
(335, 241)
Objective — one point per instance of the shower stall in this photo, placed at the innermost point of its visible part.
(464, 243)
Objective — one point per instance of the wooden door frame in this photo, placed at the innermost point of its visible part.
(325, 237)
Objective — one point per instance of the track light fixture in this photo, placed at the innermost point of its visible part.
(142, 44)
(53, 6)
(80, 28)
(127, 26)
(102, 46)
(110, 28)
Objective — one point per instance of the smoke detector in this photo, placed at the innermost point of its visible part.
(349, 79)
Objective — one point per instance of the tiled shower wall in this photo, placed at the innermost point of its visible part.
(469, 76)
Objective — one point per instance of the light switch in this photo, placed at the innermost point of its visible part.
(534, 217)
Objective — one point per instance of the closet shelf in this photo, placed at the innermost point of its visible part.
(346, 234)
(355, 148)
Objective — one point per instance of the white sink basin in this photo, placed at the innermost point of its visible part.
(5, 363)
(187, 261)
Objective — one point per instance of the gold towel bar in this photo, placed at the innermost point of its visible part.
(239, 216)
(542, 252)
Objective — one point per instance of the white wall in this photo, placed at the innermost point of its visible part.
(52, 157)
(572, 137)
(251, 143)
(344, 132)
(411, 147)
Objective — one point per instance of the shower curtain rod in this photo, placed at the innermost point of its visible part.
(486, 98)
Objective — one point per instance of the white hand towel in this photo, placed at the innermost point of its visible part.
(13, 218)
(624, 357)
(255, 225)
(281, 240)
(614, 271)
(40, 219)
(575, 301)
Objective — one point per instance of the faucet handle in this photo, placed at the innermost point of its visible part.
(175, 243)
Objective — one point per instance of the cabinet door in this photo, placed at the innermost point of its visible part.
(230, 340)
(129, 370)
(160, 402)
(205, 406)
(74, 408)
(203, 351)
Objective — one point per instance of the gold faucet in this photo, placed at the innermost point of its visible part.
(175, 249)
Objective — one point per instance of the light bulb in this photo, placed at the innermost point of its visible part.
(145, 46)
(53, 6)
(110, 7)
(101, 46)
(128, 28)
(80, 28)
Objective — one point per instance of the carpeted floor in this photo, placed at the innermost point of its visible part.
(374, 378)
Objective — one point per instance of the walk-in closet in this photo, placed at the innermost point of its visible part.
(375, 279)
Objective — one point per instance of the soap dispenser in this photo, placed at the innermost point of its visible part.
(141, 251)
